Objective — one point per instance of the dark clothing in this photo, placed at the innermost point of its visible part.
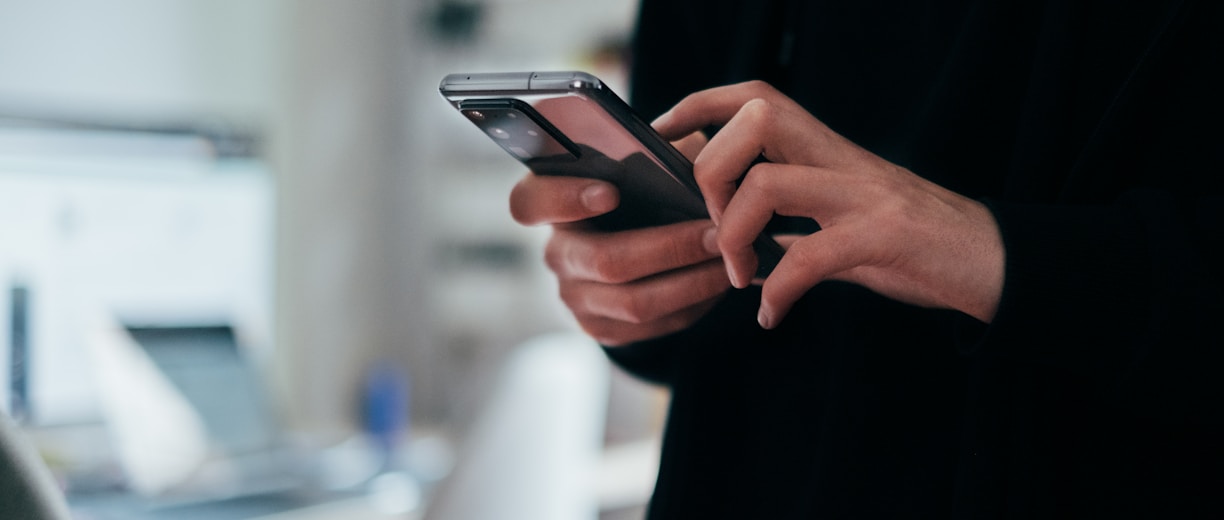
(1092, 131)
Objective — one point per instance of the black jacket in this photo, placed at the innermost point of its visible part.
(1092, 131)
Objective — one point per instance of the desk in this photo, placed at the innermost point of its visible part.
(362, 508)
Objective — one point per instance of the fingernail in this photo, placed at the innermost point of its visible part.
(598, 198)
(735, 279)
(764, 318)
(662, 120)
(710, 241)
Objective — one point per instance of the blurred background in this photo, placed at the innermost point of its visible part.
(254, 266)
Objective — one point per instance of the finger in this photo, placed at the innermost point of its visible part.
(624, 256)
(716, 170)
(731, 152)
(826, 196)
(786, 240)
(709, 107)
(615, 333)
(543, 199)
(647, 300)
(691, 145)
(779, 129)
(809, 261)
(767, 189)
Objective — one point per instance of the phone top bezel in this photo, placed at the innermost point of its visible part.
(502, 82)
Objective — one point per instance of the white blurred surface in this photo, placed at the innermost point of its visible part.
(357, 240)
(534, 452)
(159, 438)
(152, 241)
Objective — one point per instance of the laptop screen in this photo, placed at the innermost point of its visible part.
(205, 363)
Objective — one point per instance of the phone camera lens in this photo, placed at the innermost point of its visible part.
(499, 133)
(476, 115)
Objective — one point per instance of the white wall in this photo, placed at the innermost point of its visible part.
(134, 59)
(373, 172)
(352, 270)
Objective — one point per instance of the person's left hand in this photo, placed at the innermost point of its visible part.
(882, 226)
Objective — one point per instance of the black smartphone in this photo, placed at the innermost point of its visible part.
(570, 123)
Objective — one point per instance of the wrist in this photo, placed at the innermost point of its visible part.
(985, 267)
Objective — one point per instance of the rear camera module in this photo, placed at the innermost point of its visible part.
(520, 130)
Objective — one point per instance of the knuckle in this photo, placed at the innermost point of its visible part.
(574, 298)
(608, 268)
(633, 308)
(758, 177)
(702, 174)
(894, 212)
(759, 88)
(764, 178)
(680, 249)
(758, 110)
(554, 254)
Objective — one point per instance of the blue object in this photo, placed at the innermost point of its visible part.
(385, 406)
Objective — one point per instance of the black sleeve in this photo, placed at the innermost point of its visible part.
(664, 359)
(671, 59)
(682, 47)
(667, 58)
(1129, 290)
(1130, 294)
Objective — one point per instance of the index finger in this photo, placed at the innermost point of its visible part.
(545, 199)
(710, 107)
(624, 256)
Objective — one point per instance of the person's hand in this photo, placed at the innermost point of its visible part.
(881, 226)
(622, 286)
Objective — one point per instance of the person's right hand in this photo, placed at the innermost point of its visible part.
(623, 286)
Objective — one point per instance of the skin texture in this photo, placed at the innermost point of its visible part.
(625, 286)
(882, 226)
